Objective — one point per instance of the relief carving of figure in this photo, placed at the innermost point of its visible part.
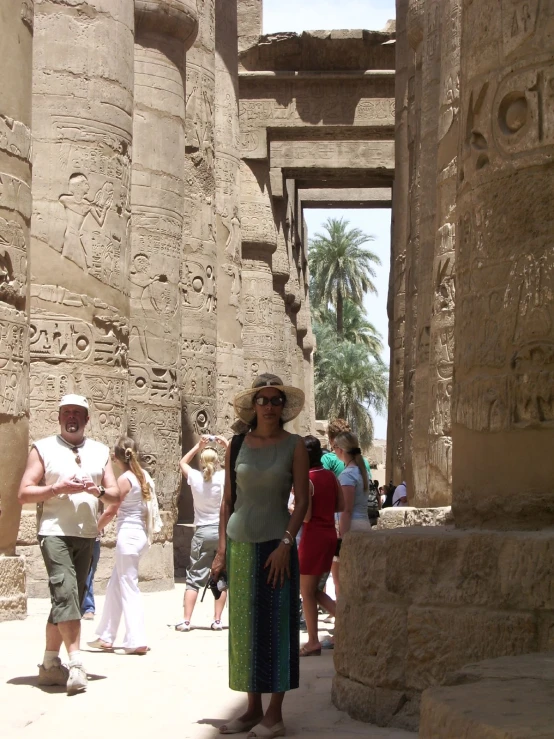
(77, 208)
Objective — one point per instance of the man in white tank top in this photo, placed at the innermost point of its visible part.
(65, 476)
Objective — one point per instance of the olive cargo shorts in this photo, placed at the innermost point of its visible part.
(67, 560)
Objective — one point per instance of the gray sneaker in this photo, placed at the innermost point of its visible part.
(77, 680)
(57, 674)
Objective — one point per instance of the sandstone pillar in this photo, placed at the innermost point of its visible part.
(164, 33)
(415, 30)
(16, 45)
(250, 17)
(199, 279)
(259, 241)
(281, 275)
(441, 343)
(230, 359)
(396, 305)
(503, 433)
(430, 73)
(82, 131)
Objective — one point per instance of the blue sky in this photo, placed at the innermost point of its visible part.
(309, 15)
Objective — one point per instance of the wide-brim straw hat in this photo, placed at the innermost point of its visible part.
(243, 400)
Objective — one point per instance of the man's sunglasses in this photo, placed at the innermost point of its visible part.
(275, 401)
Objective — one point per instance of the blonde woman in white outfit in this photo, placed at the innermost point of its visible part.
(207, 491)
(138, 519)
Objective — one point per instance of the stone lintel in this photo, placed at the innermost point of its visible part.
(276, 182)
(333, 154)
(347, 74)
(354, 197)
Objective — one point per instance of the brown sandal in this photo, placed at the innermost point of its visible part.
(310, 652)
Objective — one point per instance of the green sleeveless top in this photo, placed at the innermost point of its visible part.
(264, 482)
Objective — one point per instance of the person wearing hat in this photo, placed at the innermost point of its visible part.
(257, 540)
(66, 475)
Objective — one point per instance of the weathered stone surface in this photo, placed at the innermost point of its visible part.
(16, 21)
(346, 197)
(13, 595)
(509, 697)
(392, 518)
(437, 597)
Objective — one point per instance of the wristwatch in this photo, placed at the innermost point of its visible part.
(102, 491)
(287, 540)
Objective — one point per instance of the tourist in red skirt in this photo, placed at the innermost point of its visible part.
(318, 542)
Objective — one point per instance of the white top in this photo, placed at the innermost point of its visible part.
(351, 476)
(133, 510)
(400, 492)
(77, 514)
(206, 496)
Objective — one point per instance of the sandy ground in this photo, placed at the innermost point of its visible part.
(178, 689)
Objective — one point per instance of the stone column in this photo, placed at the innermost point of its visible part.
(430, 73)
(82, 132)
(230, 358)
(16, 43)
(250, 17)
(164, 32)
(199, 294)
(259, 241)
(441, 358)
(396, 306)
(503, 433)
(415, 26)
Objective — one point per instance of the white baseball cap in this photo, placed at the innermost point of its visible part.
(72, 399)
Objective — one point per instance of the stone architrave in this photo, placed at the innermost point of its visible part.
(428, 133)
(503, 429)
(200, 259)
(259, 242)
(16, 44)
(82, 133)
(333, 154)
(415, 29)
(396, 305)
(441, 341)
(230, 359)
(158, 214)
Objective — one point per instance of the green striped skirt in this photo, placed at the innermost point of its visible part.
(263, 621)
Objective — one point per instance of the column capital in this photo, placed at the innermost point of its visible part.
(175, 18)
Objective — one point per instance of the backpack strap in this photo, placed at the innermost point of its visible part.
(236, 443)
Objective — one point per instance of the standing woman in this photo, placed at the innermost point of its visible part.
(207, 491)
(138, 519)
(319, 542)
(355, 484)
(257, 538)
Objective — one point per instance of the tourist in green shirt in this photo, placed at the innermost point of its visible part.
(330, 460)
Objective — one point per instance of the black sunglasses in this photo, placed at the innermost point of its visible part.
(275, 401)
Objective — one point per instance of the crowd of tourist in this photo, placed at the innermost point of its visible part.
(276, 489)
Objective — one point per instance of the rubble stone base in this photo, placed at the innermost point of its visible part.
(13, 599)
(505, 698)
(419, 603)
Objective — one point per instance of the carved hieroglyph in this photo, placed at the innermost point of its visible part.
(504, 351)
(441, 341)
(427, 135)
(82, 119)
(15, 201)
(259, 241)
(230, 360)
(155, 271)
(199, 269)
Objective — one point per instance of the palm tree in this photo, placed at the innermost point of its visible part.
(348, 384)
(356, 328)
(340, 268)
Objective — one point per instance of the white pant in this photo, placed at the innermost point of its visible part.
(123, 594)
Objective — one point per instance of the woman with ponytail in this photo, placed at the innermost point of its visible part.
(207, 490)
(138, 519)
(355, 484)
